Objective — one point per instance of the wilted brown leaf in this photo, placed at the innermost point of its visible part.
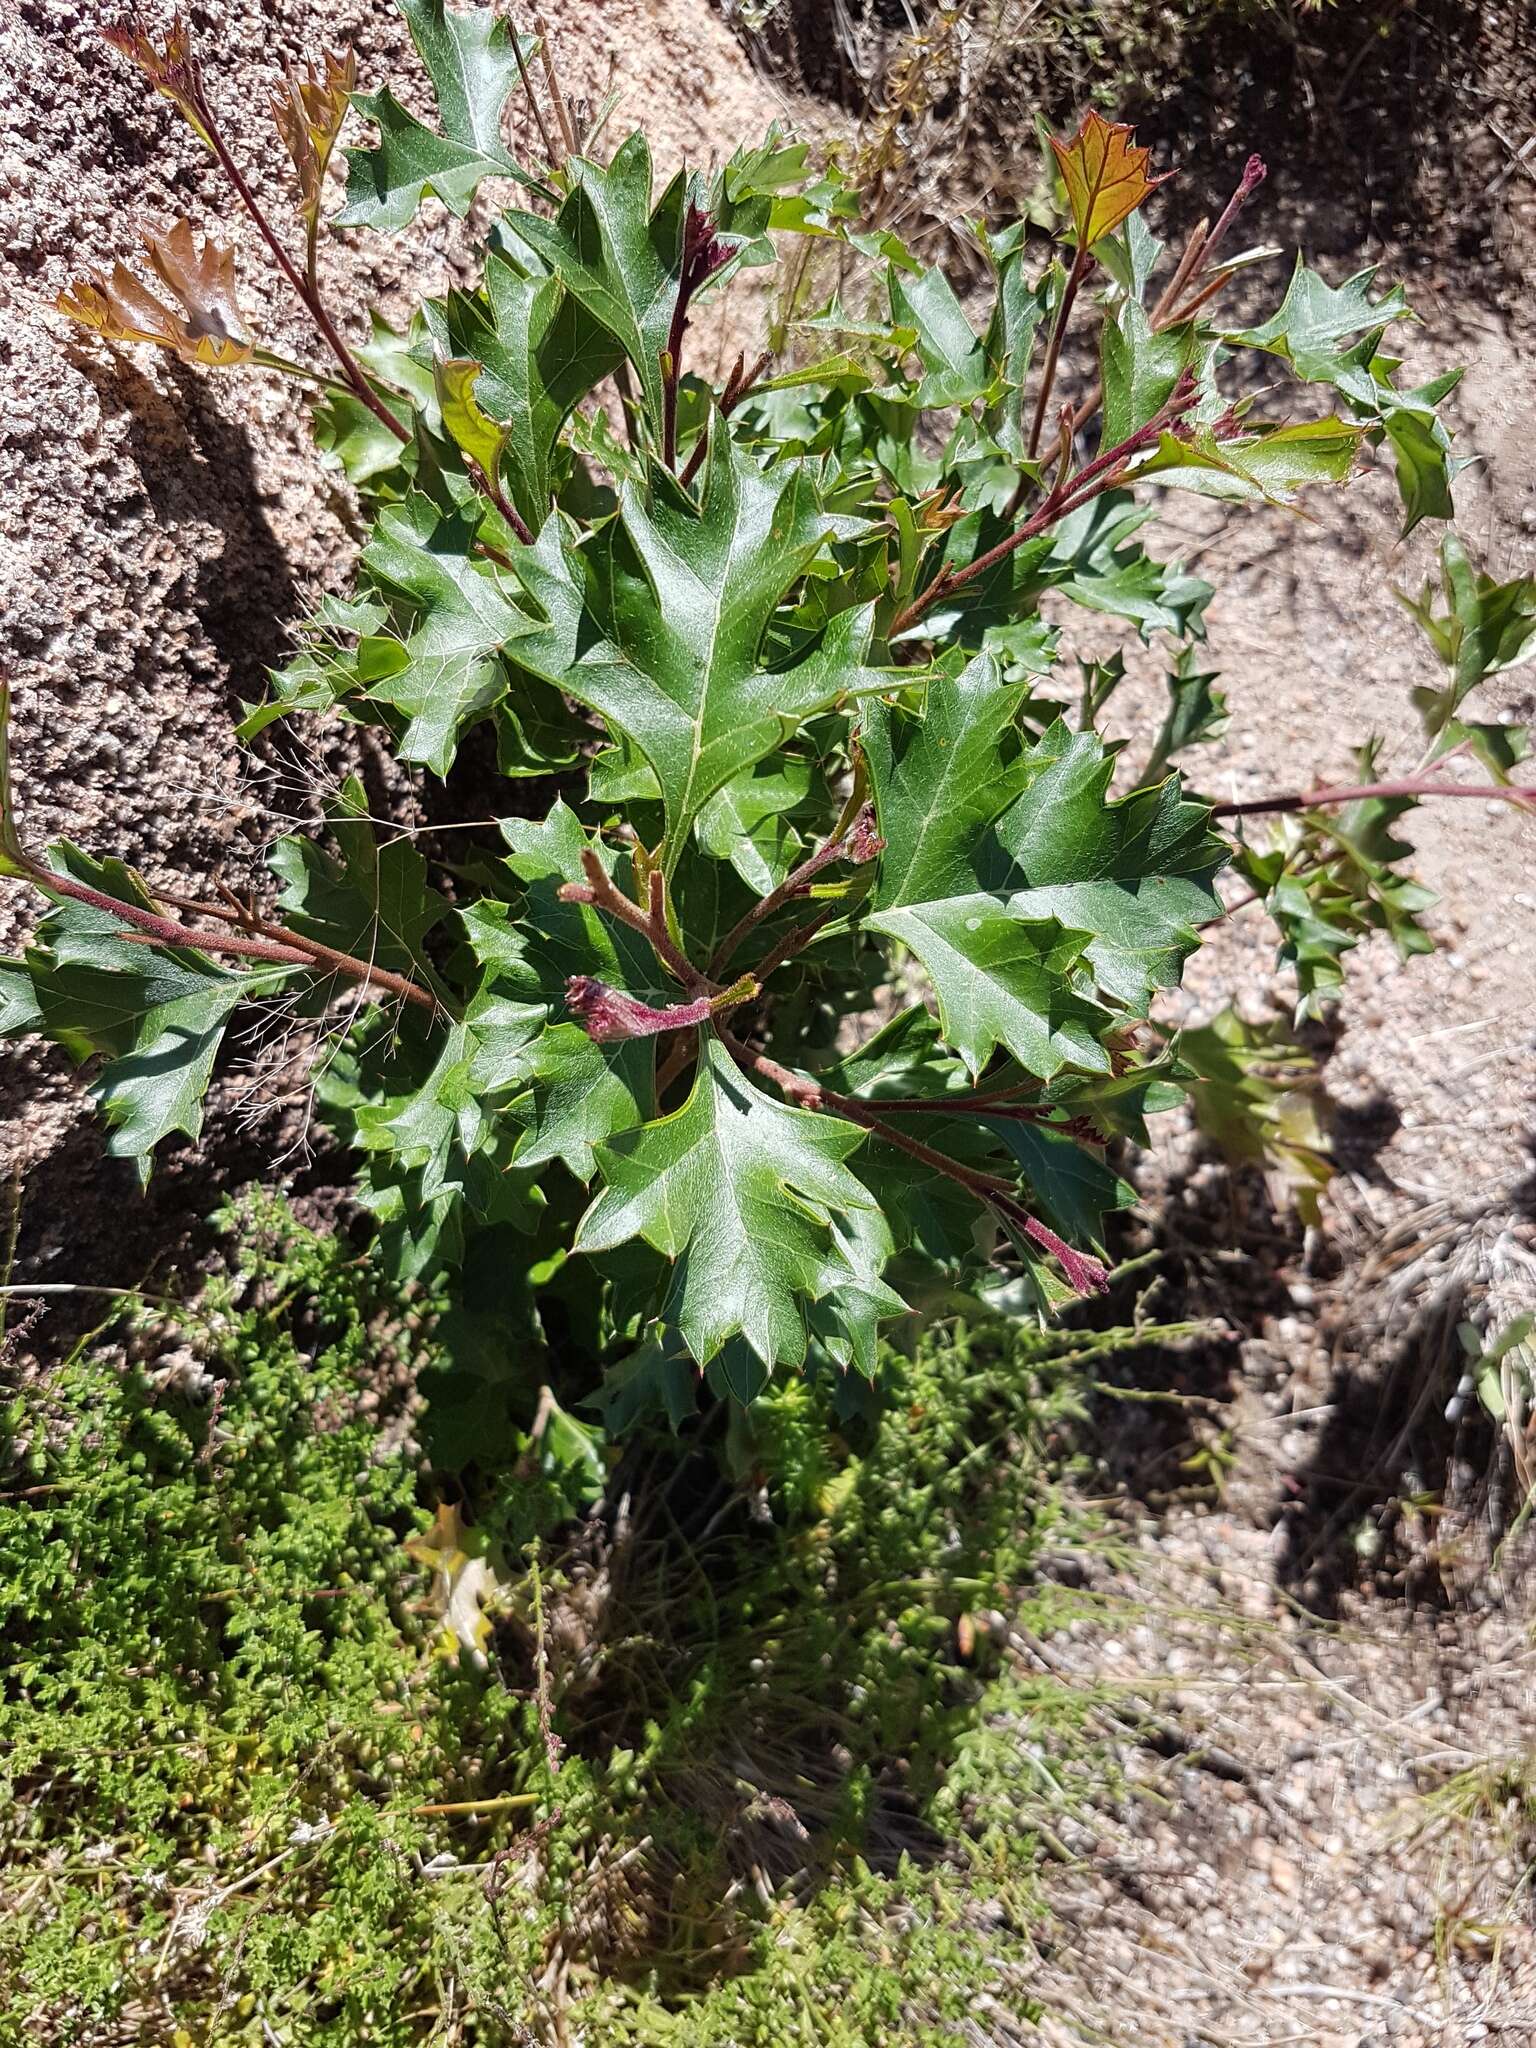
(209, 329)
(309, 109)
(1105, 175)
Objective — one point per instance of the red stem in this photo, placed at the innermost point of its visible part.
(1314, 799)
(795, 942)
(600, 890)
(1106, 470)
(309, 298)
(1086, 1274)
(1081, 263)
(857, 843)
(275, 943)
(505, 507)
(738, 384)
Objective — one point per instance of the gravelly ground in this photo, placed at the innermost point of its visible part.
(1326, 1652)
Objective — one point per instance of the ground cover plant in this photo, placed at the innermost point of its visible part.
(821, 986)
(265, 1777)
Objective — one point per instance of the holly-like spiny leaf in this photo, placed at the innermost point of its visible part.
(1106, 177)
(1135, 875)
(661, 624)
(753, 1201)
(206, 326)
(442, 671)
(371, 899)
(1197, 712)
(1275, 465)
(539, 352)
(158, 1016)
(1479, 628)
(582, 1093)
(1314, 322)
(618, 258)
(1002, 978)
(1254, 1093)
(472, 65)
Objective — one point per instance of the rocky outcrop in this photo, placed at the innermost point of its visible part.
(164, 525)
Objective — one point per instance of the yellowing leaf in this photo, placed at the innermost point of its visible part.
(461, 1585)
(481, 438)
(309, 110)
(1106, 176)
(209, 328)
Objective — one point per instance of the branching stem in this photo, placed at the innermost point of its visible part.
(304, 286)
(1105, 472)
(603, 892)
(737, 386)
(256, 940)
(1087, 1275)
(859, 843)
(1172, 309)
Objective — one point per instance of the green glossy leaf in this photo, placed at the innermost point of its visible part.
(905, 1057)
(1425, 466)
(1130, 255)
(473, 67)
(435, 1127)
(953, 358)
(1135, 875)
(940, 779)
(540, 352)
(1275, 466)
(618, 258)
(1002, 978)
(1197, 713)
(661, 624)
(752, 1201)
(157, 1015)
(746, 822)
(581, 1093)
(370, 900)
(659, 1377)
(1477, 627)
(442, 669)
(1093, 559)
(1140, 369)
(1068, 1184)
(1315, 319)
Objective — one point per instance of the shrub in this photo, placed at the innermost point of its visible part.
(822, 983)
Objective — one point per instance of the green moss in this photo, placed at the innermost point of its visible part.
(784, 1788)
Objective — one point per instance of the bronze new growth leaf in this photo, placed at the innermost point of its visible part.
(309, 109)
(1106, 176)
(169, 65)
(209, 328)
